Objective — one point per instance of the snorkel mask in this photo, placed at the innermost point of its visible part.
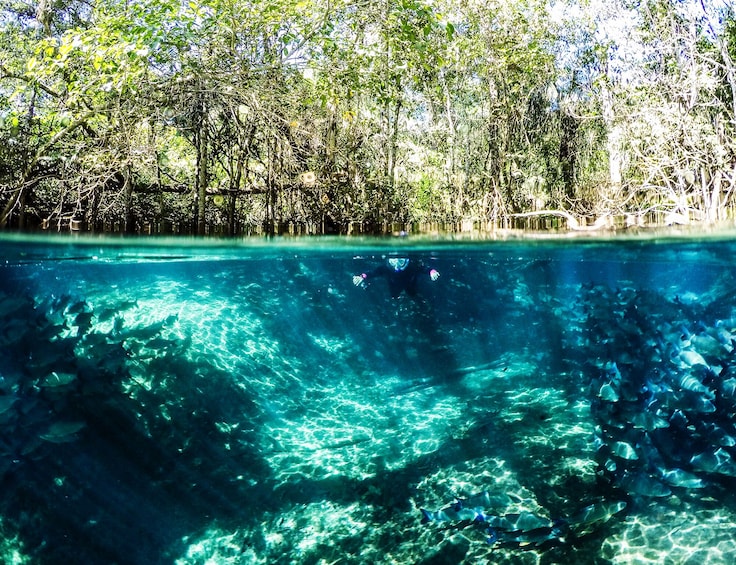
(398, 263)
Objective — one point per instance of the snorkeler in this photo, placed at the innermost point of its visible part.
(401, 273)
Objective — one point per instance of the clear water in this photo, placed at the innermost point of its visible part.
(194, 402)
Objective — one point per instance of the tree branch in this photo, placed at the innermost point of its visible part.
(40, 152)
(602, 222)
(28, 80)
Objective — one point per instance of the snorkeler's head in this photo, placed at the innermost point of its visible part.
(398, 263)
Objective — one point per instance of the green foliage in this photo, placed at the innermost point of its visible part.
(225, 113)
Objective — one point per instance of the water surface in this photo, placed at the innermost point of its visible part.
(195, 402)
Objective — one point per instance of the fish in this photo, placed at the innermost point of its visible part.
(78, 307)
(647, 421)
(471, 508)
(14, 331)
(526, 538)
(724, 336)
(161, 343)
(453, 515)
(12, 304)
(708, 344)
(63, 432)
(54, 379)
(608, 393)
(107, 314)
(598, 512)
(688, 402)
(6, 403)
(718, 436)
(519, 529)
(697, 404)
(126, 305)
(682, 479)
(111, 312)
(83, 319)
(499, 523)
(691, 383)
(718, 462)
(150, 331)
(527, 521)
(728, 388)
(678, 419)
(624, 451)
(612, 372)
(50, 331)
(117, 325)
(610, 465)
(644, 484)
(689, 358)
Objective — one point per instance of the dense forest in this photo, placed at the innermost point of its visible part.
(319, 116)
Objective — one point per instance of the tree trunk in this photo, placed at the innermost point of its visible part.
(128, 200)
(393, 144)
(268, 227)
(201, 188)
(568, 152)
(235, 181)
(450, 163)
(614, 137)
(22, 210)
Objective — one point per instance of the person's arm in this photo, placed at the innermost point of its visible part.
(380, 271)
(434, 274)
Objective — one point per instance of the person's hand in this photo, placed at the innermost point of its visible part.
(434, 275)
(358, 280)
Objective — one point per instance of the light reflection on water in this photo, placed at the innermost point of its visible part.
(249, 404)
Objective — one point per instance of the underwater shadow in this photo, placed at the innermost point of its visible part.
(114, 447)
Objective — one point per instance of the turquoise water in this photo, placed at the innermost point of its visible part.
(562, 401)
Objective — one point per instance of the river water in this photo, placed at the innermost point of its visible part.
(541, 401)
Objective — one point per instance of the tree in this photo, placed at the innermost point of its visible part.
(223, 115)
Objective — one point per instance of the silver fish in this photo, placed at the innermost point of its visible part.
(608, 393)
(599, 512)
(624, 451)
(55, 379)
(645, 485)
(62, 432)
(683, 479)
